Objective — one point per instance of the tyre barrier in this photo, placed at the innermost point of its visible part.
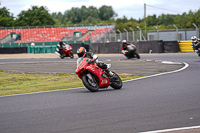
(185, 46)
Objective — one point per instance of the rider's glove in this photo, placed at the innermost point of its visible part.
(95, 57)
(90, 60)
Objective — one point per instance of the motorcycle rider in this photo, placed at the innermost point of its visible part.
(195, 43)
(60, 46)
(124, 45)
(82, 53)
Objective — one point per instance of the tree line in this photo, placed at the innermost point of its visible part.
(85, 15)
(40, 16)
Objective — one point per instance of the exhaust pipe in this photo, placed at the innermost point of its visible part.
(57, 53)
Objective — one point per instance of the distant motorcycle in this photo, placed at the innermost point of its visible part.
(93, 77)
(198, 52)
(197, 49)
(66, 51)
(131, 52)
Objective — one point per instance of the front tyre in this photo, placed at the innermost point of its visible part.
(62, 56)
(90, 83)
(71, 55)
(128, 56)
(116, 82)
(137, 55)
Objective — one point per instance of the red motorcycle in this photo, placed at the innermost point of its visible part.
(66, 51)
(93, 77)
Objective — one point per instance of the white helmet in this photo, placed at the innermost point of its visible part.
(124, 41)
(194, 39)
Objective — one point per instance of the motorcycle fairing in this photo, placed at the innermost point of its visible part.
(97, 71)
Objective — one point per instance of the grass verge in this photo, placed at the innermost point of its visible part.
(12, 82)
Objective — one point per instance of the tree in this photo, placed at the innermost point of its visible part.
(36, 16)
(73, 15)
(93, 12)
(58, 16)
(197, 18)
(132, 20)
(152, 20)
(6, 18)
(84, 14)
(81, 15)
(106, 13)
(124, 20)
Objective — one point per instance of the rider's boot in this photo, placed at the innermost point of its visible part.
(110, 73)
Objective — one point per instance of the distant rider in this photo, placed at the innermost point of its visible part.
(60, 46)
(82, 53)
(195, 43)
(124, 45)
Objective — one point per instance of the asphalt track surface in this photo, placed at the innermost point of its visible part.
(159, 102)
(120, 64)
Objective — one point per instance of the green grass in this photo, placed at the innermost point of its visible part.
(18, 83)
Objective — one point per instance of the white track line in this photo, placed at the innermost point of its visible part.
(186, 65)
(173, 129)
(183, 68)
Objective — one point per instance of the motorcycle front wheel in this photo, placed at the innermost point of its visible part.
(90, 84)
(62, 57)
(128, 56)
(116, 82)
(137, 55)
(71, 55)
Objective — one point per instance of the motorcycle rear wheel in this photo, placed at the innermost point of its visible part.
(116, 82)
(91, 85)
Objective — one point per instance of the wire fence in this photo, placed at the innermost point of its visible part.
(116, 37)
(92, 33)
(165, 35)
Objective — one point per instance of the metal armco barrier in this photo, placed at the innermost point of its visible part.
(185, 46)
